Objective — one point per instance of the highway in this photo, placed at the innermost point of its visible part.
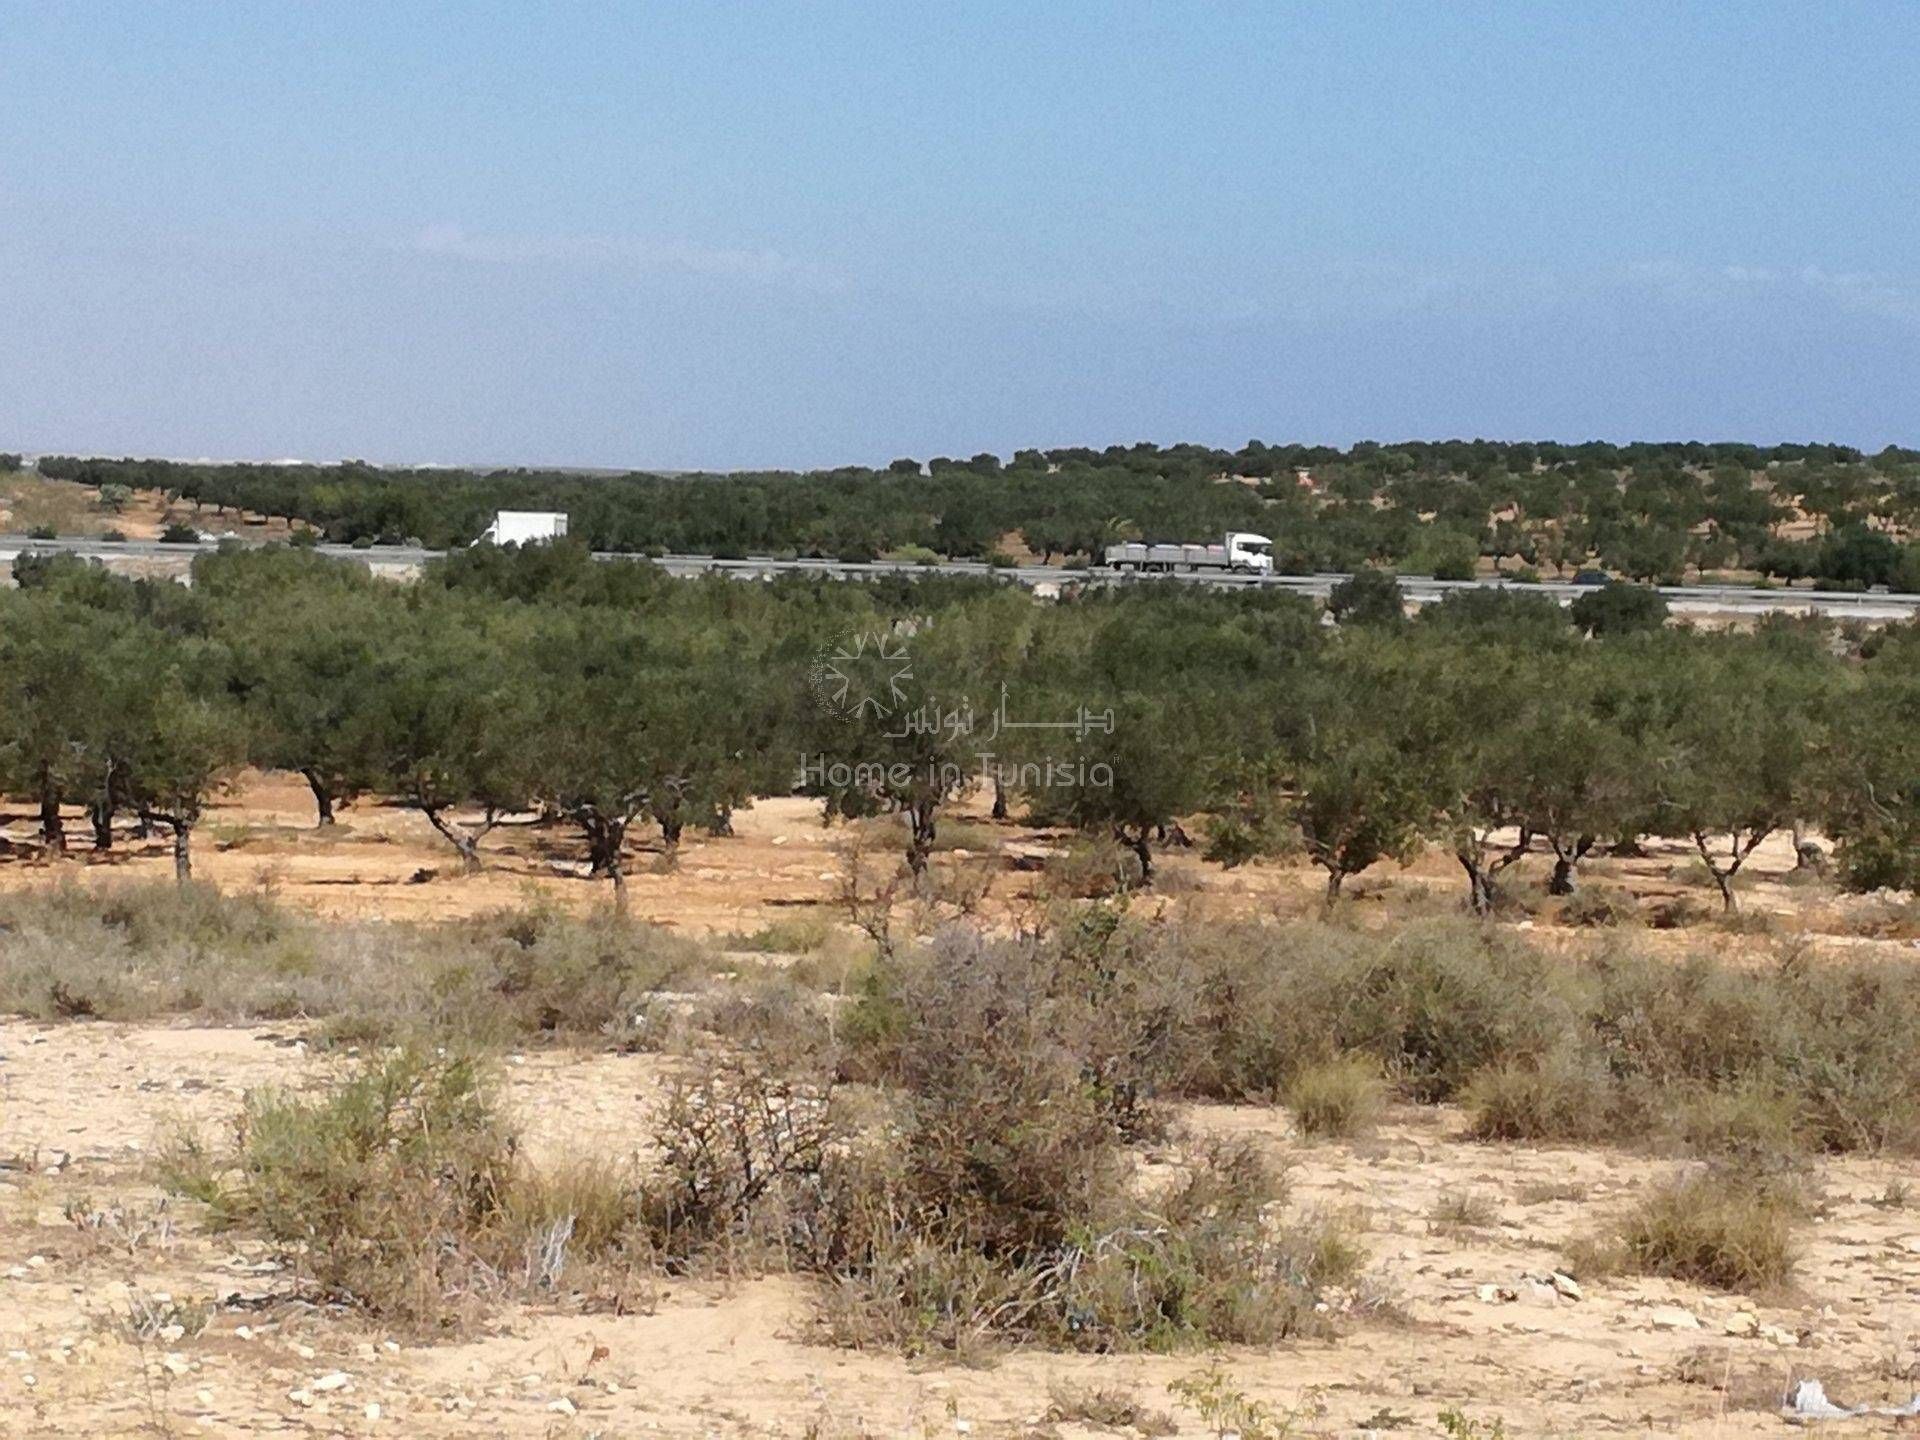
(1700, 599)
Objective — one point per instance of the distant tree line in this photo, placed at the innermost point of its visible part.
(1647, 512)
(605, 697)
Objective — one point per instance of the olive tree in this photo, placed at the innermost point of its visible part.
(1737, 761)
(451, 723)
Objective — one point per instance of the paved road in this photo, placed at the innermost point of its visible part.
(1683, 598)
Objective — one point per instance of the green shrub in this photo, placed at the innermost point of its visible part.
(785, 937)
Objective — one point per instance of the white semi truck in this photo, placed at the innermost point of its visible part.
(1238, 551)
(524, 527)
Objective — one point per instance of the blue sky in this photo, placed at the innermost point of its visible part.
(793, 234)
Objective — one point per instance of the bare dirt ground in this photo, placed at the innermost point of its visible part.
(1475, 1324)
(386, 863)
(1481, 1329)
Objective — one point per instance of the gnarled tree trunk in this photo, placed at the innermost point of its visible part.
(322, 796)
(53, 830)
(921, 819)
(462, 840)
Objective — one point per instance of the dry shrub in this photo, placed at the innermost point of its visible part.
(787, 1026)
(397, 1190)
(1462, 1210)
(1104, 1408)
(1562, 1097)
(1091, 869)
(1337, 1099)
(1831, 1041)
(1616, 1046)
(1600, 905)
(1719, 1228)
(1432, 1005)
(742, 1150)
(132, 951)
(1752, 1119)
(519, 974)
(1000, 1202)
(1203, 1263)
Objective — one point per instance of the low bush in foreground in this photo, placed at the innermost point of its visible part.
(398, 1190)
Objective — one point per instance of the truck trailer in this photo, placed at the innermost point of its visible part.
(524, 527)
(1239, 551)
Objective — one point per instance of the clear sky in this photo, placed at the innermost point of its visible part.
(705, 234)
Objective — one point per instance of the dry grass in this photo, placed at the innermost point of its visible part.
(1337, 1099)
(37, 505)
(1721, 1228)
(136, 952)
(1104, 1408)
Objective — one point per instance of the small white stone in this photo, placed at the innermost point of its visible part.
(300, 1397)
(332, 1380)
(1672, 1317)
(373, 1410)
(563, 1406)
(305, 1352)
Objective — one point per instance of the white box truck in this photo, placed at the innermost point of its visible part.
(524, 527)
(1238, 551)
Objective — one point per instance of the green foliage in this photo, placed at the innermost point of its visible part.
(1617, 609)
(1367, 597)
(1647, 510)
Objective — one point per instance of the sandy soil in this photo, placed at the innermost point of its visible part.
(383, 862)
(1479, 1331)
(82, 1103)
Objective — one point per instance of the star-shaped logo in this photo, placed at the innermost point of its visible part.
(863, 676)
